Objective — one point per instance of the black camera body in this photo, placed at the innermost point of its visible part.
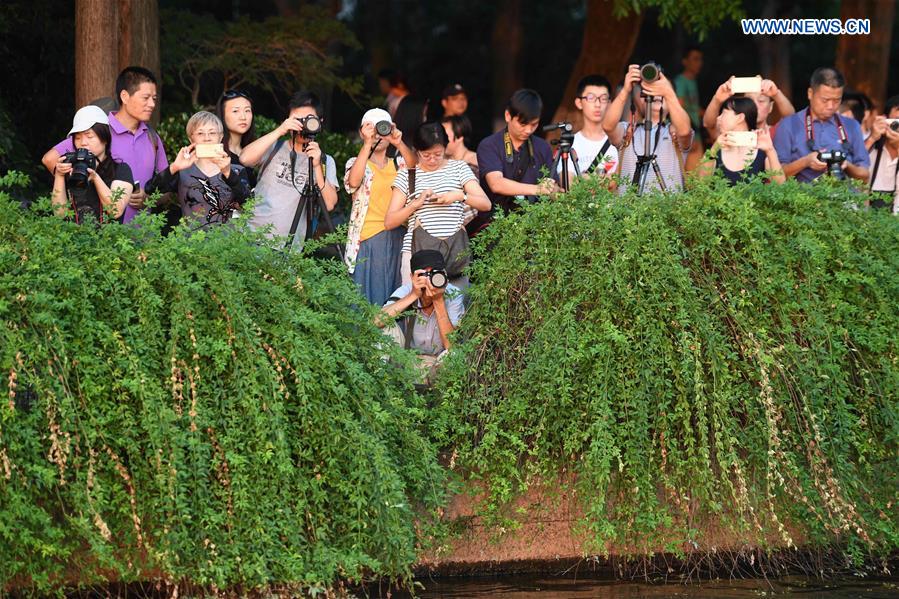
(384, 128)
(312, 126)
(81, 160)
(438, 278)
(650, 72)
(833, 159)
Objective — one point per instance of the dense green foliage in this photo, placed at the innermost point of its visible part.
(197, 408)
(723, 360)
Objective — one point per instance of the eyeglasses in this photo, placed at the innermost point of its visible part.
(235, 93)
(592, 98)
(430, 155)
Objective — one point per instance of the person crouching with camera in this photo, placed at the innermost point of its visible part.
(739, 152)
(87, 180)
(284, 169)
(437, 308)
(208, 185)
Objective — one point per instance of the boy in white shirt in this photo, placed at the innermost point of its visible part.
(592, 149)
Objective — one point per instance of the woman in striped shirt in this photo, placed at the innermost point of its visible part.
(442, 190)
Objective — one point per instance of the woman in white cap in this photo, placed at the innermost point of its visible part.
(88, 181)
(373, 252)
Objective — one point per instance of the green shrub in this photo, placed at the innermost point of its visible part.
(197, 408)
(721, 360)
(172, 130)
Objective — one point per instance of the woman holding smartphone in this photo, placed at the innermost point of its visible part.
(442, 189)
(208, 185)
(740, 152)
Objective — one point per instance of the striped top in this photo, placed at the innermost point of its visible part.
(440, 220)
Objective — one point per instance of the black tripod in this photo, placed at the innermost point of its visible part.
(310, 198)
(562, 159)
(648, 157)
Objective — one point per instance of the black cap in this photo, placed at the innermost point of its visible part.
(453, 90)
(427, 258)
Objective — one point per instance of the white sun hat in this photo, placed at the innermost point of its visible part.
(376, 115)
(87, 117)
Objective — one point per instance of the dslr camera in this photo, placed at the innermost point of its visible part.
(384, 128)
(833, 158)
(650, 72)
(312, 126)
(81, 160)
(438, 278)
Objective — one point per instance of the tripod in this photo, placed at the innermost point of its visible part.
(648, 158)
(310, 198)
(562, 158)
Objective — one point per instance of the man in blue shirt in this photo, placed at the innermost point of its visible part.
(801, 136)
(511, 160)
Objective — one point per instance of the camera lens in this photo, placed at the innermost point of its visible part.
(650, 72)
(438, 279)
(312, 125)
(384, 128)
(894, 125)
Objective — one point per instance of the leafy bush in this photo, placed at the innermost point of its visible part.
(198, 408)
(725, 360)
(173, 132)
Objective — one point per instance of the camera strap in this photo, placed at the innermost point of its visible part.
(810, 133)
(599, 157)
(268, 160)
(877, 166)
(519, 172)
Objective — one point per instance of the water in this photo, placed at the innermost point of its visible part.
(522, 587)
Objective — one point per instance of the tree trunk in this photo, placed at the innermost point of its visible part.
(864, 59)
(774, 51)
(607, 45)
(96, 40)
(139, 40)
(506, 52)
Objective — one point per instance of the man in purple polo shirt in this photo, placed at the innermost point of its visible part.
(133, 142)
(802, 135)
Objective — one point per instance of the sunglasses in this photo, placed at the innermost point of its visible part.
(234, 93)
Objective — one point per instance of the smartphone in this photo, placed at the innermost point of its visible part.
(744, 139)
(746, 85)
(209, 150)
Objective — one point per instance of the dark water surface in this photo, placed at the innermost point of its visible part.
(522, 587)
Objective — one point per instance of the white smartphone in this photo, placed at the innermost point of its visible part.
(744, 139)
(746, 85)
(209, 150)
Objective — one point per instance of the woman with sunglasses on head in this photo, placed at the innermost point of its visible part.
(435, 207)
(235, 109)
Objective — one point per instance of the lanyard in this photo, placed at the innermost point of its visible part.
(877, 165)
(810, 134)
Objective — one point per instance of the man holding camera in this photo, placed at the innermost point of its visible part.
(437, 306)
(884, 158)
(133, 142)
(816, 139)
(510, 161)
(669, 142)
(285, 169)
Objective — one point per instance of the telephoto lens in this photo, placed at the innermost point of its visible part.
(438, 278)
(384, 128)
(650, 72)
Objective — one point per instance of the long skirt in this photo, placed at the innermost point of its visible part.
(377, 272)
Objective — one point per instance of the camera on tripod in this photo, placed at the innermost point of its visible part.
(650, 72)
(833, 159)
(81, 160)
(312, 126)
(567, 136)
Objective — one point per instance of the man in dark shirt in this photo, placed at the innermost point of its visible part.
(511, 160)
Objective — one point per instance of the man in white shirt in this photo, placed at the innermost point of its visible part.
(884, 156)
(593, 151)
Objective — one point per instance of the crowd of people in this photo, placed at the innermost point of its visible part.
(419, 189)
